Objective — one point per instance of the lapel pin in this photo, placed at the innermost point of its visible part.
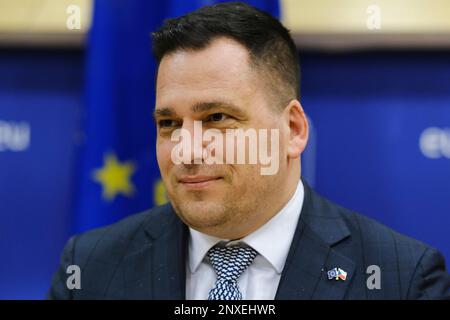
(337, 273)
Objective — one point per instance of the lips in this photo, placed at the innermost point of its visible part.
(198, 182)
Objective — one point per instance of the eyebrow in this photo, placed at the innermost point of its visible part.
(163, 112)
(208, 106)
(201, 107)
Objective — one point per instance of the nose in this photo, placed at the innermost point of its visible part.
(195, 146)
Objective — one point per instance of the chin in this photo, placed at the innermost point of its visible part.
(202, 214)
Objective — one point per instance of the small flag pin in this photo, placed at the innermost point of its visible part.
(336, 273)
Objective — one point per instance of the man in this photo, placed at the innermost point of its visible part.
(233, 230)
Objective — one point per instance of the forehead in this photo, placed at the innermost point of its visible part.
(219, 71)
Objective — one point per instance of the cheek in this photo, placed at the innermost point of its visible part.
(163, 155)
(245, 177)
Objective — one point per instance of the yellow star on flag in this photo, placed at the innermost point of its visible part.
(115, 177)
(159, 193)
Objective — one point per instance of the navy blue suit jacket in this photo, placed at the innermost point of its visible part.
(144, 257)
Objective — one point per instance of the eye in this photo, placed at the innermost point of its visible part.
(167, 123)
(216, 117)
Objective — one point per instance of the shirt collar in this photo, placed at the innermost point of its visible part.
(272, 240)
(199, 244)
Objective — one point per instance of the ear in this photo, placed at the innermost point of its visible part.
(298, 129)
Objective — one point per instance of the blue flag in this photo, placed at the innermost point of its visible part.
(118, 173)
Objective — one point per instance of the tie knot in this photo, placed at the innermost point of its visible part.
(230, 262)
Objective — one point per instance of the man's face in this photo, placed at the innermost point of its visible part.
(216, 85)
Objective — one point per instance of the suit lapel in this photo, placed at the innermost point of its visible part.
(311, 254)
(137, 267)
(155, 262)
(169, 253)
(331, 288)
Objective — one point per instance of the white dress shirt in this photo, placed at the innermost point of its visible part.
(260, 280)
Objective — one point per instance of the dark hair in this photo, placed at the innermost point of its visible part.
(269, 43)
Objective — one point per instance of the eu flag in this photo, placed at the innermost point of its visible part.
(118, 172)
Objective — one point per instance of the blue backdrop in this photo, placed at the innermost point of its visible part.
(380, 139)
(40, 104)
(375, 153)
